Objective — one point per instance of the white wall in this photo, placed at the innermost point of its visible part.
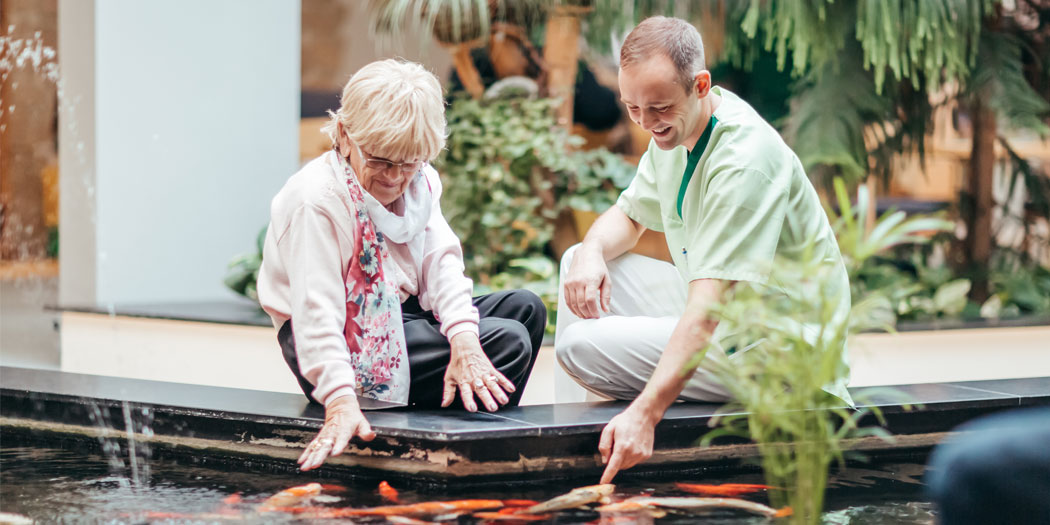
(195, 128)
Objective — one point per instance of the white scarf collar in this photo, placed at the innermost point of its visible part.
(415, 205)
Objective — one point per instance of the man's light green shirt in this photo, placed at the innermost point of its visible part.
(747, 203)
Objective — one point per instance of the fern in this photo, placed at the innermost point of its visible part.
(999, 80)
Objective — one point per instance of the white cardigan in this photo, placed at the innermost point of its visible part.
(306, 253)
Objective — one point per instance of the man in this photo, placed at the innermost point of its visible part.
(729, 196)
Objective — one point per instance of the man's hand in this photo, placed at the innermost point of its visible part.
(626, 441)
(587, 285)
(342, 420)
(470, 371)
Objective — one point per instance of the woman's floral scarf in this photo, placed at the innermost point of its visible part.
(374, 331)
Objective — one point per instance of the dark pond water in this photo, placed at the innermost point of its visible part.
(52, 485)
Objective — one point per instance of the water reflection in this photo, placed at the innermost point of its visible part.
(53, 485)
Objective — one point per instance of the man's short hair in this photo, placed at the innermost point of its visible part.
(674, 38)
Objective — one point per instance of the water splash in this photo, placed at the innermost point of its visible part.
(138, 431)
(20, 53)
(32, 53)
(110, 446)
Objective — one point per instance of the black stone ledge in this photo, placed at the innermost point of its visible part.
(440, 446)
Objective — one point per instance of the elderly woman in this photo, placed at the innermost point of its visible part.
(363, 277)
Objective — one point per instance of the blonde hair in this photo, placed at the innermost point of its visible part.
(392, 109)
(674, 38)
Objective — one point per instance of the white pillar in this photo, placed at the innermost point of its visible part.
(179, 124)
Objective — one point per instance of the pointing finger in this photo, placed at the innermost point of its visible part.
(605, 443)
(612, 468)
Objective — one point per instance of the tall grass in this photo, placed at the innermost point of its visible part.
(790, 337)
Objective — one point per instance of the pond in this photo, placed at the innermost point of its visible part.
(57, 485)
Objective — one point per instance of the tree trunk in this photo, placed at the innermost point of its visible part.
(980, 240)
(561, 52)
(468, 74)
(27, 133)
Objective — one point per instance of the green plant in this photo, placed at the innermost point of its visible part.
(920, 291)
(1019, 287)
(243, 271)
(538, 275)
(793, 339)
(507, 172)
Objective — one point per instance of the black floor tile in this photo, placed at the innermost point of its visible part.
(1031, 389)
(577, 418)
(932, 396)
(198, 397)
(447, 424)
(568, 418)
(253, 404)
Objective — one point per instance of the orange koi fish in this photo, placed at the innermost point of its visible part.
(291, 496)
(416, 509)
(388, 493)
(232, 499)
(725, 489)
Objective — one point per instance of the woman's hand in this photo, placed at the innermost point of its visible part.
(342, 420)
(470, 371)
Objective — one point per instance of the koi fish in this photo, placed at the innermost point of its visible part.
(725, 489)
(631, 505)
(416, 509)
(388, 493)
(291, 496)
(232, 499)
(403, 520)
(577, 497)
(510, 516)
(694, 504)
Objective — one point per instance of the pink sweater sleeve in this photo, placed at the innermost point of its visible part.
(310, 250)
(443, 286)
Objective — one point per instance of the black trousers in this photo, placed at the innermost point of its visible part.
(511, 331)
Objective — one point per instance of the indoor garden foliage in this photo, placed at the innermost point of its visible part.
(508, 172)
(792, 348)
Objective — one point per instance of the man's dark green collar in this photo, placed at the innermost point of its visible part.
(694, 159)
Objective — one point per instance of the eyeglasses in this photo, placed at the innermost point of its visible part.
(379, 164)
